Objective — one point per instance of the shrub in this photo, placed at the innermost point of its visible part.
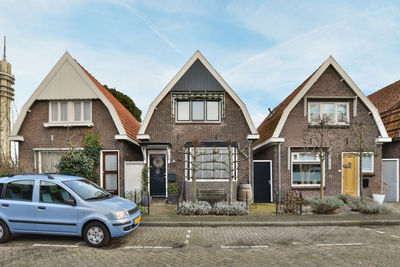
(347, 199)
(173, 188)
(76, 163)
(369, 206)
(311, 200)
(194, 208)
(327, 205)
(224, 208)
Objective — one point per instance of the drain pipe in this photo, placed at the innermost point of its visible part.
(279, 173)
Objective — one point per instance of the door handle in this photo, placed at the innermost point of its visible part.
(41, 208)
(5, 205)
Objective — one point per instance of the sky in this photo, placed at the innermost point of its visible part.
(263, 49)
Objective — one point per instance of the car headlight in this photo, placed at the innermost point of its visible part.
(121, 214)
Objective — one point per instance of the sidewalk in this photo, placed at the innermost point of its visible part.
(164, 215)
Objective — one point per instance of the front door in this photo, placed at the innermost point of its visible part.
(390, 176)
(157, 166)
(350, 174)
(262, 181)
(110, 172)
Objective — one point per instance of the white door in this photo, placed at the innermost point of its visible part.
(390, 176)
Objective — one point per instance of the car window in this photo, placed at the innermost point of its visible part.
(53, 193)
(87, 190)
(20, 190)
(1, 190)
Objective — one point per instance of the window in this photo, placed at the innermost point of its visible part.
(49, 160)
(212, 163)
(1, 189)
(306, 169)
(70, 111)
(333, 113)
(368, 162)
(53, 193)
(198, 111)
(20, 190)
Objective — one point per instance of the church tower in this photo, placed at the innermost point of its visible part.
(6, 96)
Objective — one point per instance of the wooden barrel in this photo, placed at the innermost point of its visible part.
(243, 189)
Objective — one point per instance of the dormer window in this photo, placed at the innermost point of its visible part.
(334, 113)
(70, 113)
(198, 111)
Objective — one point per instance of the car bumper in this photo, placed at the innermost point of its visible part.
(125, 226)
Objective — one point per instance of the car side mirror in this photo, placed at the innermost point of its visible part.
(71, 202)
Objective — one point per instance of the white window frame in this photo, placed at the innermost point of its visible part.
(37, 160)
(189, 171)
(372, 163)
(335, 119)
(205, 111)
(70, 115)
(297, 161)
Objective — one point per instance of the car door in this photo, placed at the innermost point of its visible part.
(17, 206)
(52, 213)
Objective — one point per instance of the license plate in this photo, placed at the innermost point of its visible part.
(137, 220)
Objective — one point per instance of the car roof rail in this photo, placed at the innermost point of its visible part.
(22, 173)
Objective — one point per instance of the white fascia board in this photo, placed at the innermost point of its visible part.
(253, 136)
(348, 80)
(178, 76)
(381, 140)
(84, 76)
(271, 140)
(143, 137)
(126, 138)
(16, 138)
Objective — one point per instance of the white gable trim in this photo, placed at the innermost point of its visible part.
(178, 76)
(352, 85)
(86, 79)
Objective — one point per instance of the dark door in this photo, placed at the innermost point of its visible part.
(110, 172)
(262, 182)
(157, 175)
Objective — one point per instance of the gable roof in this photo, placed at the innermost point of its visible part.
(124, 121)
(197, 56)
(271, 127)
(387, 101)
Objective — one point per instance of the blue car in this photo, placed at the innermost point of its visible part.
(63, 205)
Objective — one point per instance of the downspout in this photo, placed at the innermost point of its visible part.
(279, 173)
(249, 155)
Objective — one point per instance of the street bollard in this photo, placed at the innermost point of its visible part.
(247, 202)
(148, 203)
(277, 203)
(301, 203)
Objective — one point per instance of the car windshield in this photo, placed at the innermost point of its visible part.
(87, 190)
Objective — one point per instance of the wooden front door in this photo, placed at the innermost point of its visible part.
(158, 175)
(262, 181)
(350, 174)
(110, 172)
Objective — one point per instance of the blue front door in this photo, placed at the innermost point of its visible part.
(52, 214)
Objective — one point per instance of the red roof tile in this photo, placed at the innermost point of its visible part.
(129, 122)
(387, 101)
(268, 126)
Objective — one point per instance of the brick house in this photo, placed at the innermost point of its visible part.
(287, 132)
(198, 109)
(68, 103)
(387, 101)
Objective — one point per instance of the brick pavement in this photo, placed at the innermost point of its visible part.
(283, 246)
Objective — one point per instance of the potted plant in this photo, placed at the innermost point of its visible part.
(379, 196)
(173, 193)
(146, 199)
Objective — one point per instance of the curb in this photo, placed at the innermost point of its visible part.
(247, 224)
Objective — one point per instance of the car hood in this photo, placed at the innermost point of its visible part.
(114, 203)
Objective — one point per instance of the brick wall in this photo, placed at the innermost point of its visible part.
(297, 133)
(163, 128)
(38, 136)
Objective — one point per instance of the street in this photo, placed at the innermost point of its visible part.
(215, 246)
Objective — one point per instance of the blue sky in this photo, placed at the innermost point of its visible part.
(263, 49)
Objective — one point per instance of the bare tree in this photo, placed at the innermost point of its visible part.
(362, 143)
(321, 140)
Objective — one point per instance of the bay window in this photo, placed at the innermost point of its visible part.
(306, 169)
(332, 113)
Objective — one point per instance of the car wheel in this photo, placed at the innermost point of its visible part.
(4, 232)
(96, 234)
